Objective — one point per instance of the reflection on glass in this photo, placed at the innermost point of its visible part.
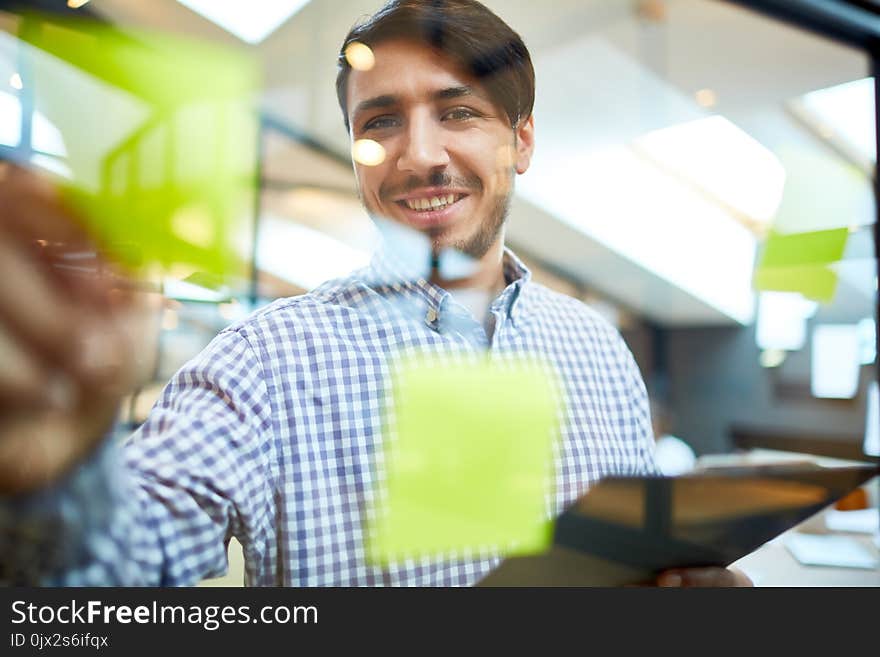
(770, 358)
(782, 320)
(360, 57)
(10, 119)
(844, 115)
(368, 152)
(835, 361)
(867, 330)
(872, 421)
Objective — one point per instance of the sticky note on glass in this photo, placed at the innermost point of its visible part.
(813, 282)
(155, 138)
(812, 248)
(469, 460)
(799, 262)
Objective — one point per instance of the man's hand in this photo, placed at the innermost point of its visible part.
(69, 335)
(691, 577)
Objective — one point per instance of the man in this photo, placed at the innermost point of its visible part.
(270, 435)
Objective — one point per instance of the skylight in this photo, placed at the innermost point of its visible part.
(678, 235)
(844, 115)
(250, 21)
(723, 161)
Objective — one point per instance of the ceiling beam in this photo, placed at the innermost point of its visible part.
(849, 23)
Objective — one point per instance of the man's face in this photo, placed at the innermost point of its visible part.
(450, 152)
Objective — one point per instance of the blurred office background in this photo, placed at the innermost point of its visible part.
(672, 135)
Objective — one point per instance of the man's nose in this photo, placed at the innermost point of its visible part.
(424, 149)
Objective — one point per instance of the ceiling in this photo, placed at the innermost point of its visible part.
(692, 44)
(676, 47)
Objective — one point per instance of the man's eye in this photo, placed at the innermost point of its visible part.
(459, 114)
(380, 122)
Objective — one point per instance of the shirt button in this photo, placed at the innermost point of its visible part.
(431, 316)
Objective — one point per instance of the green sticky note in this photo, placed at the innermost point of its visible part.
(469, 463)
(816, 282)
(796, 249)
(156, 141)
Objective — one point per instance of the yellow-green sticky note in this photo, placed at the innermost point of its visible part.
(815, 282)
(469, 460)
(155, 138)
(810, 248)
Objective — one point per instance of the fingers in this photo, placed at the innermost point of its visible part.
(33, 208)
(43, 320)
(26, 382)
(33, 448)
(35, 219)
(37, 447)
(67, 330)
(702, 577)
(58, 314)
(72, 339)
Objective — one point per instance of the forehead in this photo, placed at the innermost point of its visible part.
(407, 70)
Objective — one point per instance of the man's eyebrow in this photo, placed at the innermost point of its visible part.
(375, 103)
(455, 92)
(388, 100)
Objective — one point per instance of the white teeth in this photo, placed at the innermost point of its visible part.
(433, 203)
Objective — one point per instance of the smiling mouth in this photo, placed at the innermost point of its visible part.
(431, 203)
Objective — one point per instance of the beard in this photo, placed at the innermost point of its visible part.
(487, 233)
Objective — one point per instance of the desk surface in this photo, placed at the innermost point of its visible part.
(773, 565)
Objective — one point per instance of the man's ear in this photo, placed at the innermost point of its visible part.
(525, 143)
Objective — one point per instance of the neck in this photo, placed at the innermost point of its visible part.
(488, 277)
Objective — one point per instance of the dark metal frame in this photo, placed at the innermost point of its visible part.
(51, 6)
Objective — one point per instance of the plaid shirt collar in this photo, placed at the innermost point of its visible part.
(389, 274)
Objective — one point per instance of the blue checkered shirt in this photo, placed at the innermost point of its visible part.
(271, 434)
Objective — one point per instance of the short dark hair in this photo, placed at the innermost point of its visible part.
(466, 31)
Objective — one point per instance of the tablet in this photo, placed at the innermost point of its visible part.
(626, 530)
